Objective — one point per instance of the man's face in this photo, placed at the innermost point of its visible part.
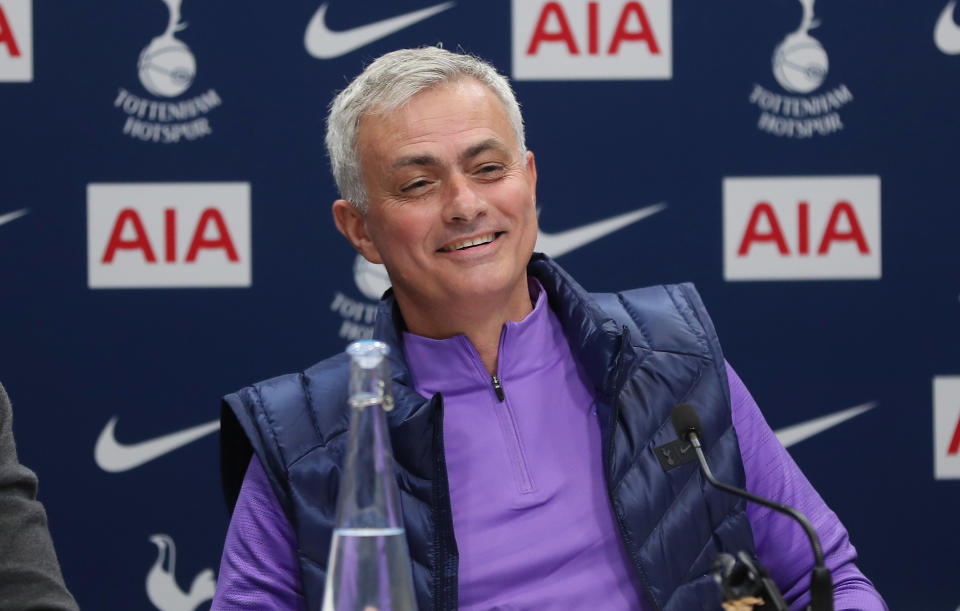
(452, 210)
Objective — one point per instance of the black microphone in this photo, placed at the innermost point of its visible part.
(687, 424)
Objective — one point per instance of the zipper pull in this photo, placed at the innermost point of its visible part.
(498, 388)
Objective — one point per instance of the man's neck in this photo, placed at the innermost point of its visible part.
(482, 322)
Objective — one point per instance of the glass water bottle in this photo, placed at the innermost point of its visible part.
(369, 566)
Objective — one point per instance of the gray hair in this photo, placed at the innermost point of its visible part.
(387, 84)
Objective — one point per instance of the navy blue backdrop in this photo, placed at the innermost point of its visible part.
(165, 237)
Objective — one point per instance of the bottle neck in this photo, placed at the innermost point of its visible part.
(369, 497)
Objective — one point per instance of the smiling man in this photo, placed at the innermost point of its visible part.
(527, 411)
(450, 212)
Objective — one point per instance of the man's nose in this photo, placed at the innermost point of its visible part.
(464, 202)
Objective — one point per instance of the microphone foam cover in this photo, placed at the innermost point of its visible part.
(686, 421)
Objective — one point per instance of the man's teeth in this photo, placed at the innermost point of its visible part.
(483, 239)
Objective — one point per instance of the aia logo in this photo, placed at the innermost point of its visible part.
(166, 68)
(592, 39)
(16, 41)
(946, 427)
(800, 228)
(168, 235)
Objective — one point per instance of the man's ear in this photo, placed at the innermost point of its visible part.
(353, 225)
(531, 167)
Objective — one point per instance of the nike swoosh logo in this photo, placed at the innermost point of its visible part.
(947, 34)
(793, 435)
(324, 43)
(115, 457)
(558, 244)
(12, 216)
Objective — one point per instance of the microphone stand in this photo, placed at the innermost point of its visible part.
(821, 581)
(741, 581)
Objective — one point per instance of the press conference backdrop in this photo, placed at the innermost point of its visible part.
(166, 238)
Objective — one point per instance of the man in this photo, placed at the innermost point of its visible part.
(526, 410)
(30, 575)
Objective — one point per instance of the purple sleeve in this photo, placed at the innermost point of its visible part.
(259, 567)
(781, 544)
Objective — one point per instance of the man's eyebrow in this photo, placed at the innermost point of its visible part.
(418, 160)
(490, 144)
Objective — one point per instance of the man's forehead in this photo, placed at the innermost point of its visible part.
(389, 106)
(466, 113)
(479, 98)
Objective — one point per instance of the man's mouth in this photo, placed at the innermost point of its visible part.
(471, 242)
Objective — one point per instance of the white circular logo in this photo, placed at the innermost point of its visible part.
(371, 278)
(800, 63)
(166, 67)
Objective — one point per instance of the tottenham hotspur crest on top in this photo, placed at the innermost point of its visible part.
(167, 69)
(166, 65)
(800, 66)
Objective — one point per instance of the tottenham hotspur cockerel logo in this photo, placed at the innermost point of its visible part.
(166, 66)
(800, 66)
(167, 69)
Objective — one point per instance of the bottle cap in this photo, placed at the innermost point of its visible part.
(368, 353)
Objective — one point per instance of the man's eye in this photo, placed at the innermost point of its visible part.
(491, 168)
(414, 185)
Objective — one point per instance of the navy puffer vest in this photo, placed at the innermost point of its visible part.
(644, 351)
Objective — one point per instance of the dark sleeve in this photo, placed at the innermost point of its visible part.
(30, 575)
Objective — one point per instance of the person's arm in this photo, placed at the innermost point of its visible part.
(30, 575)
(782, 546)
(259, 567)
